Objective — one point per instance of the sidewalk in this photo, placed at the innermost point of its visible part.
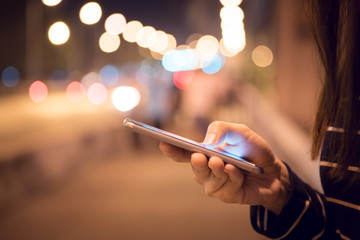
(132, 197)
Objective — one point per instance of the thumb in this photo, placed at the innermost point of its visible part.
(216, 134)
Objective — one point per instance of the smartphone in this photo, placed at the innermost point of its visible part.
(190, 145)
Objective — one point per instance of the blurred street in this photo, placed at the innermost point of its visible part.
(141, 196)
(97, 184)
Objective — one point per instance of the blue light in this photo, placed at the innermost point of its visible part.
(146, 75)
(180, 60)
(212, 66)
(10, 76)
(109, 75)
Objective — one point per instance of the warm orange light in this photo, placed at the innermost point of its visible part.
(90, 13)
(262, 56)
(59, 33)
(131, 30)
(109, 42)
(51, 3)
(143, 36)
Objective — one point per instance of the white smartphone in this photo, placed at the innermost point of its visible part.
(190, 145)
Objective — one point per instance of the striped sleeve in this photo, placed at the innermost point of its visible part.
(303, 216)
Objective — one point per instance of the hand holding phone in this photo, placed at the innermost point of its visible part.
(190, 145)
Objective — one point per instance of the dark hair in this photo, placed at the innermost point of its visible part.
(335, 25)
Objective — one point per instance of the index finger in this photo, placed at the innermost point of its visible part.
(175, 153)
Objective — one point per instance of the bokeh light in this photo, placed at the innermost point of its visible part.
(143, 36)
(161, 41)
(231, 15)
(125, 98)
(183, 79)
(211, 66)
(59, 33)
(51, 3)
(90, 13)
(262, 56)
(171, 44)
(207, 46)
(146, 75)
(224, 51)
(109, 75)
(233, 31)
(131, 30)
(109, 42)
(90, 78)
(115, 23)
(180, 60)
(97, 93)
(10, 76)
(230, 2)
(38, 91)
(75, 92)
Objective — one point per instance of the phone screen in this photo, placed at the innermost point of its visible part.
(190, 145)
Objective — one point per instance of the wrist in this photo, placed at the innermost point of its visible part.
(280, 192)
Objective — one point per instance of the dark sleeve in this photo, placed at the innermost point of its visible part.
(303, 217)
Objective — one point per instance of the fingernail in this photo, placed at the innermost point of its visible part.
(210, 138)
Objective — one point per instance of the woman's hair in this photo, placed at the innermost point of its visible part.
(336, 29)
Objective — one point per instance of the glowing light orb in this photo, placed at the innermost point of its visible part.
(160, 43)
(75, 92)
(207, 46)
(10, 76)
(90, 13)
(143, 36)
(38, 91)
(125, 98)
(171, 44)
(180, 60)
(59, 33)
(232, 15)
(97, 93)
(109, 75)
(262, 56)
(230, 2)
(51, 3)
(109, 42)
(182, 80)
(89, 79)
(212, 66)
(131, 31)
(146, 75)
(115, 23)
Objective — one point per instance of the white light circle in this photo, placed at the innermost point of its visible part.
(90, 13)
(125, 98)
(51, 3)
(115, 23)
(59, 33)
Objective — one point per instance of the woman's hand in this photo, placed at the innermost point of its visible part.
(227, 182)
